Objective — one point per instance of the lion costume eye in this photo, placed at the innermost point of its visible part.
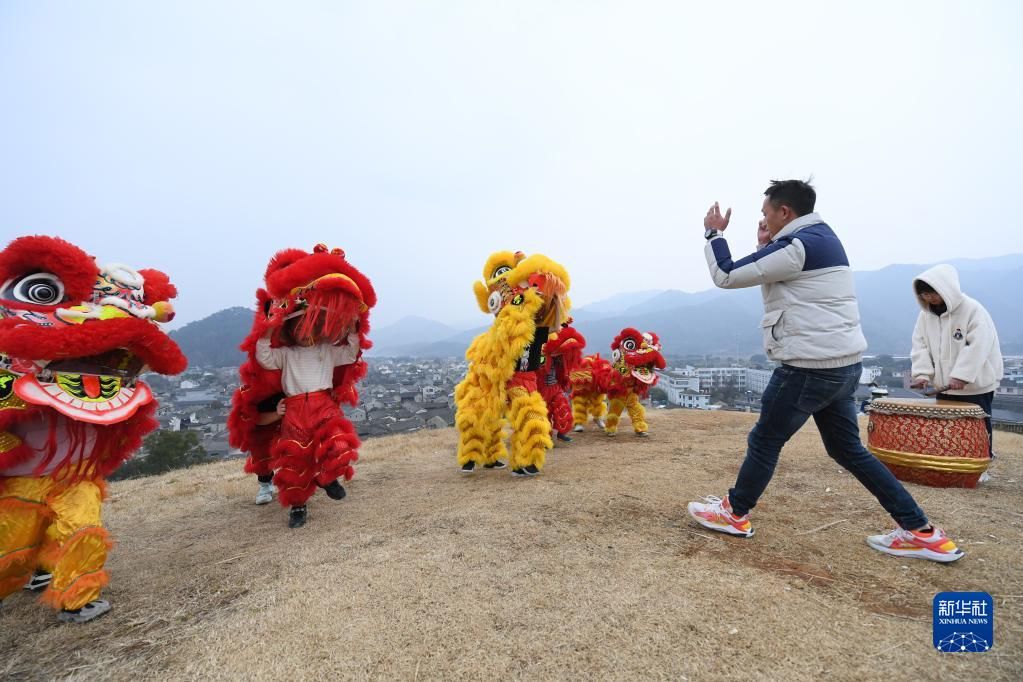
(494, 302)
(503, 270)
(629, 344)
(40, 288)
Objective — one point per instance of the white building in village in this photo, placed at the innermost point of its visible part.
(757, 380)
(870, 374)
(682, 386)
(685, 386)
(675, 382)
(719, 377)
(693, 400)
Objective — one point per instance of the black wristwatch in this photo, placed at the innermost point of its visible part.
(710, 233)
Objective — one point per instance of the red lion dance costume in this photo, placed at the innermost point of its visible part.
(626, 380)
(562, 355)
(74, 337)
(320, 296)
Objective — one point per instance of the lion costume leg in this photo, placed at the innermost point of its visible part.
(531, 430)
(260, 461)
(475, 428)
(76, 546)
(317, 446)
(588, 405)
(337, 450)
(580, 408)
(495, 448)
(560, 413)
(614, 415)
(24, 517)
(637, 413)
(598, 406)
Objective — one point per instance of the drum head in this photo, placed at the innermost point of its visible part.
(926, 407)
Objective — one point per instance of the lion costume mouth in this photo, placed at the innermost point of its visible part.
(99, 389)
(644, 373)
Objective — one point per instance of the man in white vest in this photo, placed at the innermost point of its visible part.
(811, 325)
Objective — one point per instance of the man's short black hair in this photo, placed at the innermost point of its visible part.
(796, 194)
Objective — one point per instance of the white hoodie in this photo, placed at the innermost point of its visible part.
(960, 343)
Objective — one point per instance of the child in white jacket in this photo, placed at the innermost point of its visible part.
(955, 345)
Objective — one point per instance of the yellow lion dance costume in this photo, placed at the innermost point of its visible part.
(528, 296)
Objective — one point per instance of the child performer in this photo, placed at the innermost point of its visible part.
(313, 443)
(306, 345)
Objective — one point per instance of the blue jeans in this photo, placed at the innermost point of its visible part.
(795, 394)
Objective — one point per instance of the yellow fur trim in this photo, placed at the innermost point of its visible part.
(531, 429)
(534, 264)
(614, 414)
(587, 405)
(499, 259)
(479, 289)
(579, 411)
(636, 413)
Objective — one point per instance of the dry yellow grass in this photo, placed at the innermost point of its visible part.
(591, 571)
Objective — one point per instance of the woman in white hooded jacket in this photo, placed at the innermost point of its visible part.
(955, 345)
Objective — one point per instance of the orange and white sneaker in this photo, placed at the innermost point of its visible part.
(716, 514)
(934, 546)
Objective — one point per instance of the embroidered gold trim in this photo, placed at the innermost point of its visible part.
(955, 465)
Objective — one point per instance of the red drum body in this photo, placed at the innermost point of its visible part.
(938, 443)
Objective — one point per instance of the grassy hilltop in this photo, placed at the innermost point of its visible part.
(592, 571)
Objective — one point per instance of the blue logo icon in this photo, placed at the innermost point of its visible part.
(963, 622)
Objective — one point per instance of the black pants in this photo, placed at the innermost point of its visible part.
(984, 400)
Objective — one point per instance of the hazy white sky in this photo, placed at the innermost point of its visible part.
(200, 137)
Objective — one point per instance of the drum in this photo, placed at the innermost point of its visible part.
(939, 443)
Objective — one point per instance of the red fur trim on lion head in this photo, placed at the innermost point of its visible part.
(144, 339)
(627, 333)
(294, 268)
(27, 255)
(158, 286)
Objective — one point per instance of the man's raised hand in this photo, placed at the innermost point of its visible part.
(763, 234)
(714, 220)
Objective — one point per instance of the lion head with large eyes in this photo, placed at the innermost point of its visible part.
(512, 278)
(75, 334)
(637, 354)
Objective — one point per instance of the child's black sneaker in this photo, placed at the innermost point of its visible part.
(468, 467)
(498, 464)
(564, 437)
(531, 470)
(335, 490)
(296, 519)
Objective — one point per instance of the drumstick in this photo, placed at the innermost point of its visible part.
(935, 391)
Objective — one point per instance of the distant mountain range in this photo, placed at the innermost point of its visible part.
(213, 341)
(712, 321)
